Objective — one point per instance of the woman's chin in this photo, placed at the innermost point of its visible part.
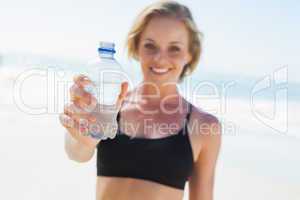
(161, 80)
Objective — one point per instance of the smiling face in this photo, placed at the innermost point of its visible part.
(163, 50)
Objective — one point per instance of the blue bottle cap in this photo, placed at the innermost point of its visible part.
(106, 47)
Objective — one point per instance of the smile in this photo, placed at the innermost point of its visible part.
(159, 71)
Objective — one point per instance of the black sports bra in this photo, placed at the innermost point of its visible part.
(168, 160)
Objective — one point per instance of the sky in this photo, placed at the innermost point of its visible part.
(249, 37)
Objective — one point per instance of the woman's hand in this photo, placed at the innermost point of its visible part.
(84, 110)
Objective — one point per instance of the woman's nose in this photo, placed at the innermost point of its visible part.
(161, 58)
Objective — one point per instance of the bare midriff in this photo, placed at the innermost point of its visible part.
(119, 188)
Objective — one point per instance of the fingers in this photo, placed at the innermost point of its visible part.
(82, 99)
(79, 133)
(79, 96)
(77, 92)
(66, 121)
(74, 128)
(82, 80)
(77, 113)
(122, 95)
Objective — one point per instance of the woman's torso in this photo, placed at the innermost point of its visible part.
(145, 122)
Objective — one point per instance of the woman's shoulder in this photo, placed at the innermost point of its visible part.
(203, 123)
(204, 131)
(201, 116)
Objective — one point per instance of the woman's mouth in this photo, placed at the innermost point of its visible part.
(159, 71)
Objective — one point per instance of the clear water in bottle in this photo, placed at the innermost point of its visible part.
(107, 75)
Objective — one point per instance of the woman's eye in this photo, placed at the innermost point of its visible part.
(150, 46)
(174, 49)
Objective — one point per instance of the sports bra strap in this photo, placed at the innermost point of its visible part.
(118, 115)
(189, 113)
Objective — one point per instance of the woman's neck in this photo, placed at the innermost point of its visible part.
(156, 93)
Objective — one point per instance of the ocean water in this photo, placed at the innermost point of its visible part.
(259, 157)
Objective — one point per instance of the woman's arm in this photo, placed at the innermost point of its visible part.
(201, 183)
(78, 147)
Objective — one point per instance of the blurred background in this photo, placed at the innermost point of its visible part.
(247, 77)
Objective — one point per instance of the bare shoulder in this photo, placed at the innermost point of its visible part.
(206, 133)
(204, 128)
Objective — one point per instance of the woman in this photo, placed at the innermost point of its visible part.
(168, 141)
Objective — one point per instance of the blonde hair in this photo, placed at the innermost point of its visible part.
(167, 9)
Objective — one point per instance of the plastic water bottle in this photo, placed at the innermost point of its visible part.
(107, 76)
(106, 73)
